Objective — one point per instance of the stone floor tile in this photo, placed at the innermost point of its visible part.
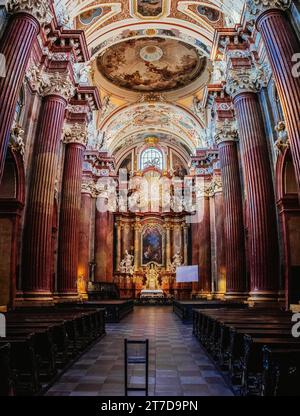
(178, 366)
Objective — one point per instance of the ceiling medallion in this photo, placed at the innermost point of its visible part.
(151, 53)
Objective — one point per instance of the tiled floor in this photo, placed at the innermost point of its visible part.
(178, 366)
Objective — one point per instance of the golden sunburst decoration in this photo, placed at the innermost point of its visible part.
(152, 140)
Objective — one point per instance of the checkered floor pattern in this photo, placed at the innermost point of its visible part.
(177, 364)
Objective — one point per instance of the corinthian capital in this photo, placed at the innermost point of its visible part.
(88, 187)
(257, 7)
(242, 80)
(215, 186)
(226, 131)
(37, 8)
(58, 84)
(75, 133)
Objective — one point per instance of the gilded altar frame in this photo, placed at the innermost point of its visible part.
(162, 233)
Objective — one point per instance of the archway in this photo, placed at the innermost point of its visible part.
(12, 197)
(289, 212)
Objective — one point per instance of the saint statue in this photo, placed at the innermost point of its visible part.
(126, 265)
(177, 261)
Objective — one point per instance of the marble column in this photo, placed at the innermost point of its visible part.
(85, 232)
(236, 277)
(38, 222)
(263, 251)
(205, 281)
(283, 49)
(185, 244)
(177, 239)
(195, 250)
(218, 263)
(101, 254)
(16, 45)
(110, 247)
(127, 238)
(119, 245)
(137, 249)
(168, 247)
(75, 139)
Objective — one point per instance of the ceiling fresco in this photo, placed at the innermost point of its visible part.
(155, 64)
(149, 8)
(151, 61)
(147, 118)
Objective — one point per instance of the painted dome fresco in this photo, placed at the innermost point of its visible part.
(151, 65)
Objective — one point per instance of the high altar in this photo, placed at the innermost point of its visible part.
(157, 243)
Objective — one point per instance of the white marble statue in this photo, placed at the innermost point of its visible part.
(177, 261)
(126, 265)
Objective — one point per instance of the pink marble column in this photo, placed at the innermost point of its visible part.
(67, 268)
(110, 247)
(195, 251)
(263, 251)
(204, 261)
(236, 277)
(85, 234)
(220, 242)
(37, 276)
(16, 45)
(283, 49)
(101, 254)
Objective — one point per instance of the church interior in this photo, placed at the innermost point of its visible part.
(150, 190)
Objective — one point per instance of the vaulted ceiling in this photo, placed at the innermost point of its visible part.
(150, 60)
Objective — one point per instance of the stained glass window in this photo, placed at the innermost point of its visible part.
(152, 157)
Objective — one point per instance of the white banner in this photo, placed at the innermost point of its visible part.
(187, 274)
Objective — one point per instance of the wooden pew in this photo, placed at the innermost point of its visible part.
(252, 360)
(45, 339)
(43, 345)
(223, 332)
(7, 383)
(25, 363)
(281, 372)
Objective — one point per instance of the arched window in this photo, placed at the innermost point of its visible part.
(19, 107)
(151, 157)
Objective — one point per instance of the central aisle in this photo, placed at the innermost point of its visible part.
(178, 366)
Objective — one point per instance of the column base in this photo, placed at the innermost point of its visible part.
(66, 297)
(265, 299)
(237, 296)
(218, 295)
(204, 295)
(34, 298)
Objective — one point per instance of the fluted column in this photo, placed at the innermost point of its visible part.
(185, 244)
(218, 263)
(127, 238)
(16, 45)
(137, 246)
(195, 250)
(205, 282)
(101, 254)
(110, 247)
(262, 247)
(168, 246)
(84, 233)
(236, 277)
(283, 49)
(75, 138)
(38, 223)
(119, 245)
